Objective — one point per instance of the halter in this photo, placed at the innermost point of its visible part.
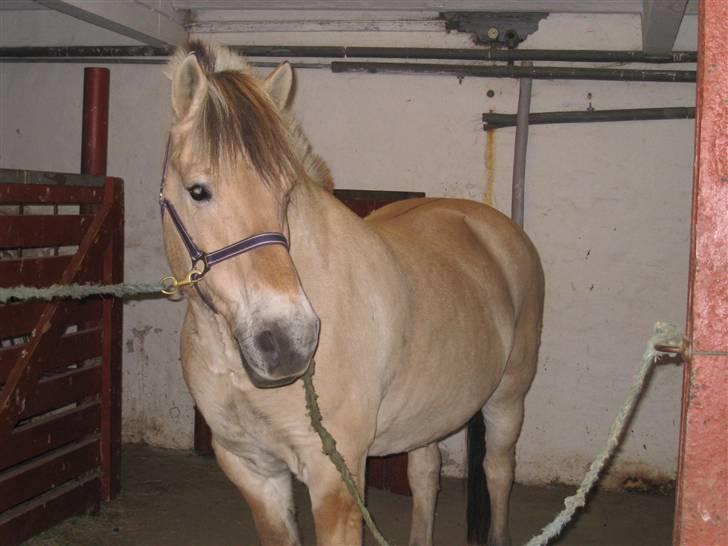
(199, 257)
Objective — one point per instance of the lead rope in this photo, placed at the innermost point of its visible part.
(329, 447)
(666, 340)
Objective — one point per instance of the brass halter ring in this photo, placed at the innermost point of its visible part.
(171, 284)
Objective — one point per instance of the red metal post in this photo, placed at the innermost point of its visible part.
(701, 517)
(94, 146)
(95, 121)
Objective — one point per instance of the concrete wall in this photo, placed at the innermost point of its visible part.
(608, 206)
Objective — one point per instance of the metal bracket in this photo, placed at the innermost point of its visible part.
(684, 351)
(501, 28)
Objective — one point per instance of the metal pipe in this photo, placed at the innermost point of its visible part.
(535, 72)
(95, 132)
(512, 55)
(463, 54)
(518, 189)
(497, 121)
(147, 61)
(156, 55)
(85, 60)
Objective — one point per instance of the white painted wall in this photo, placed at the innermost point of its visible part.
(607, 206)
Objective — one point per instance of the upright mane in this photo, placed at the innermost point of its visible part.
(239, 121)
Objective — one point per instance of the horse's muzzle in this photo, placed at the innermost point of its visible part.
(277, 355)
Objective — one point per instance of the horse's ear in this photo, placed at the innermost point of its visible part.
(189, 88)
(279, 84)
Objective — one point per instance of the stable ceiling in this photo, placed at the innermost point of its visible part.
(168, 22)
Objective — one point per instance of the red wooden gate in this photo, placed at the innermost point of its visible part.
(60, 362)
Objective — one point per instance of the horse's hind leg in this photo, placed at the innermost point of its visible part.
(423, 473)
(269, 496)
(503, 419)
(502, 425)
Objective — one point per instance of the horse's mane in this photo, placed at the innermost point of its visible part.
(238, 120)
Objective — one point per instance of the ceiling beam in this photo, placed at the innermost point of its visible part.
(551, 6)
(660, 24)
(157, 25)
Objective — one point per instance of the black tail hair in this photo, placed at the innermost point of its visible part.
(478, 498)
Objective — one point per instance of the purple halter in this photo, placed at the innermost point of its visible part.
(207, 259)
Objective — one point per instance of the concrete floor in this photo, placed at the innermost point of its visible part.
(177, 498)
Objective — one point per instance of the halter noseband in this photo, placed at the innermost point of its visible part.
(171, 284)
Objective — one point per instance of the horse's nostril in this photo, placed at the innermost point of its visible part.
(266, 342)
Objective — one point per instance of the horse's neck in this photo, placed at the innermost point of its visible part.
(322, 230)
(316, 222)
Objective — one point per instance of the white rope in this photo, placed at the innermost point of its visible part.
(665, 334)
(77, 291)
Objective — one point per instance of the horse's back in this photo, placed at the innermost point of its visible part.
(464, 230)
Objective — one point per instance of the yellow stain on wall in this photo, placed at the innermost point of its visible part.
(488, 196)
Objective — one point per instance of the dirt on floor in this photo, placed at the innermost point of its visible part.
(177, 498)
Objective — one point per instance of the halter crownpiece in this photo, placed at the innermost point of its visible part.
(207, 259)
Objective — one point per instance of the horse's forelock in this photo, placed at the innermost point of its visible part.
(238, 122)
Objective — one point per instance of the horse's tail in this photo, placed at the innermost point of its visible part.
(478, 498)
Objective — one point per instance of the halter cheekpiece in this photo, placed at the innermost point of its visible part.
(199, 257)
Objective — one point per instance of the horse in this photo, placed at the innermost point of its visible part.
(417, 318)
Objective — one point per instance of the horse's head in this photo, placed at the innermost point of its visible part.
(231, 167)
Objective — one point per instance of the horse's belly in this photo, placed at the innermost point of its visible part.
(432, 398)
(411, 432)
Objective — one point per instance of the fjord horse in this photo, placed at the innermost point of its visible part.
(416, 318)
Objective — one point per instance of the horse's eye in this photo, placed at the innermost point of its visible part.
(199, 192)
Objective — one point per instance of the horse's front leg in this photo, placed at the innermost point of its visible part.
(335, 513)
(269, 495)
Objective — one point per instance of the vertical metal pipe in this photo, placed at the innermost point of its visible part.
(94, 140)
(519, 155)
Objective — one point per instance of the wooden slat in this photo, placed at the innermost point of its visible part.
(11, 194)
(26, 520)
(40, 272)
(389, 473)
(28, 480)
(69, 349)
(203, 435)
(113, 272)
(33, 271)
(66, 180)
(382, 196)
(42, 230)
(364, 202)
(47, 433)
(60, 390)
(19, 319)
